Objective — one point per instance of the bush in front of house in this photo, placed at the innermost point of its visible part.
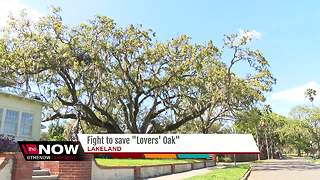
(8, 143)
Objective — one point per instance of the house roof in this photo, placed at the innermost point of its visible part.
(24, 97)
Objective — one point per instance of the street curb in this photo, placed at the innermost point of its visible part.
(247, 174)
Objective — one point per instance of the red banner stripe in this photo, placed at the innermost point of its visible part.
(24, 149)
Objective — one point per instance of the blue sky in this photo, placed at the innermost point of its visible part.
(290, 31)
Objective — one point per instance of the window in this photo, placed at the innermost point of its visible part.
(11, 122)
(26, 124)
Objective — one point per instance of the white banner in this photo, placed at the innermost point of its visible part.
(168, 143)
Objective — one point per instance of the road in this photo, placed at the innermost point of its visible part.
(291, 169)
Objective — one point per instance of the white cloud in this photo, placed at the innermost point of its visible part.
(251, 34)
(296, 94)
(15, 7)
(244, 37)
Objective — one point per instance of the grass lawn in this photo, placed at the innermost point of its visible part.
(141, 162)
(227, 173)
(315, 161)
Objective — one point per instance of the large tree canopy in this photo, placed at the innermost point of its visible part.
(122, 79)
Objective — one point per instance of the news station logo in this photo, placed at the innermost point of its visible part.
(51, 150)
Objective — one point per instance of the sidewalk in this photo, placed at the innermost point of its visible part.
(187, 174)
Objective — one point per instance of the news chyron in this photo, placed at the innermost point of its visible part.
(51, 150)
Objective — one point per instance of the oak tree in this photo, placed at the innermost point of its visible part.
(122, 78)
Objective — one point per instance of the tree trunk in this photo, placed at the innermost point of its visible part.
(267, 145)
(258, 142)
(318, 149)
(271, 147)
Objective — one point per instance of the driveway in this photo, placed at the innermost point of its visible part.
(291, 169)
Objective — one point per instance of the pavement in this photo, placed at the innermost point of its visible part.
(290, 169)
(183, 175)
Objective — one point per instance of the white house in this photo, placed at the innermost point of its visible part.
(20, 116)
